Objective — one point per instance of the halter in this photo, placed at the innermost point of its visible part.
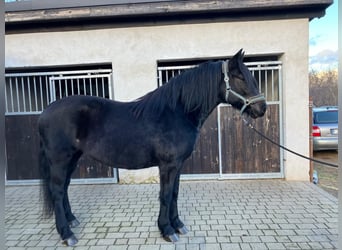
(247, 101)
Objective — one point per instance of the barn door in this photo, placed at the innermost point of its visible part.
(204, 160)
(243, 153)
(27, 95)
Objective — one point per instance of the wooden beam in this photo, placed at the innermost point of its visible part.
(163, 8)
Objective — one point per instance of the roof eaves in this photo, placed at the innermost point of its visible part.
(171, 10)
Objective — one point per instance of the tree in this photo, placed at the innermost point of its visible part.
(323, 87)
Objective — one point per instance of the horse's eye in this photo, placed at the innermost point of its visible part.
(238, 76)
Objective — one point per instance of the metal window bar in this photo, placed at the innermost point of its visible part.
(41, 94)
(96, 87)
(84, 87)
(17, 92)
(35, 93)
(30, 93)
(47, 91)
(22, 93)
(78, 86)
(6, 104)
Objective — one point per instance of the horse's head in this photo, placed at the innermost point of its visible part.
(241, 87)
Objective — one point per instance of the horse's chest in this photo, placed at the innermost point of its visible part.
(175, 145)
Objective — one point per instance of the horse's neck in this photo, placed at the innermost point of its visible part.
(198, 117)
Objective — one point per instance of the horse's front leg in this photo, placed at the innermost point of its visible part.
(176, 223)
(168, 175)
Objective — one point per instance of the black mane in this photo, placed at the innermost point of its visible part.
(195, 89)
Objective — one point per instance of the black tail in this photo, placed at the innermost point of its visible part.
(44, 169)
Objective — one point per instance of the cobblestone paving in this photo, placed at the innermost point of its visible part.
(257, 214)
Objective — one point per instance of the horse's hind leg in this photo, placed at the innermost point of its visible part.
(72, 220)
(58, 180)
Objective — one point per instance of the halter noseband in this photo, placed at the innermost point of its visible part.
(247, 101)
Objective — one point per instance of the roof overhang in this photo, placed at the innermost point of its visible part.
(50, 14)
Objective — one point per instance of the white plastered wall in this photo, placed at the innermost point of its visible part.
(134, 51)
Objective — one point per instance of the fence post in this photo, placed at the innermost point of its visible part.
(311, 139)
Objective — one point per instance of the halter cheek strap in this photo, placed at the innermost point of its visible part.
(247, 101)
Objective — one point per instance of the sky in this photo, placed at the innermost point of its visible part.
(323, 40)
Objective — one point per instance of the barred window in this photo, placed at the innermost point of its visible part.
(267, 74)
(31, 92)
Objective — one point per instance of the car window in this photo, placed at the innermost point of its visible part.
(326, 117)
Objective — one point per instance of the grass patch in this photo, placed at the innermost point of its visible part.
(327, 176)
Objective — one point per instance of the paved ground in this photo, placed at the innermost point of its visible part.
(263, 214)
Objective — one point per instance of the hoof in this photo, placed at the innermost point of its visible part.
(182, 230)
(171, 238)
(74, 223)
(72, 241)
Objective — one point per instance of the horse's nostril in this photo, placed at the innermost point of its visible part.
(258, 110)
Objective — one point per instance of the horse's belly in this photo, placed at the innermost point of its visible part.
(142, 146)
(124, 156)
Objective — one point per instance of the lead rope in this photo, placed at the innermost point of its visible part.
(249, 125)
(255, 99)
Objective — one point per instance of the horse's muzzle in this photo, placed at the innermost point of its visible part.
(257, 109)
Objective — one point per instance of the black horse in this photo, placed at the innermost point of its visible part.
(158, 129)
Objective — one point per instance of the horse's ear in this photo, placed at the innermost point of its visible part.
(234, 62)
(242, 53)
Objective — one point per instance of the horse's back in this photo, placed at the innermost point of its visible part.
(73, 104)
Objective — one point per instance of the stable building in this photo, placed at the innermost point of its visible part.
(125, 49)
